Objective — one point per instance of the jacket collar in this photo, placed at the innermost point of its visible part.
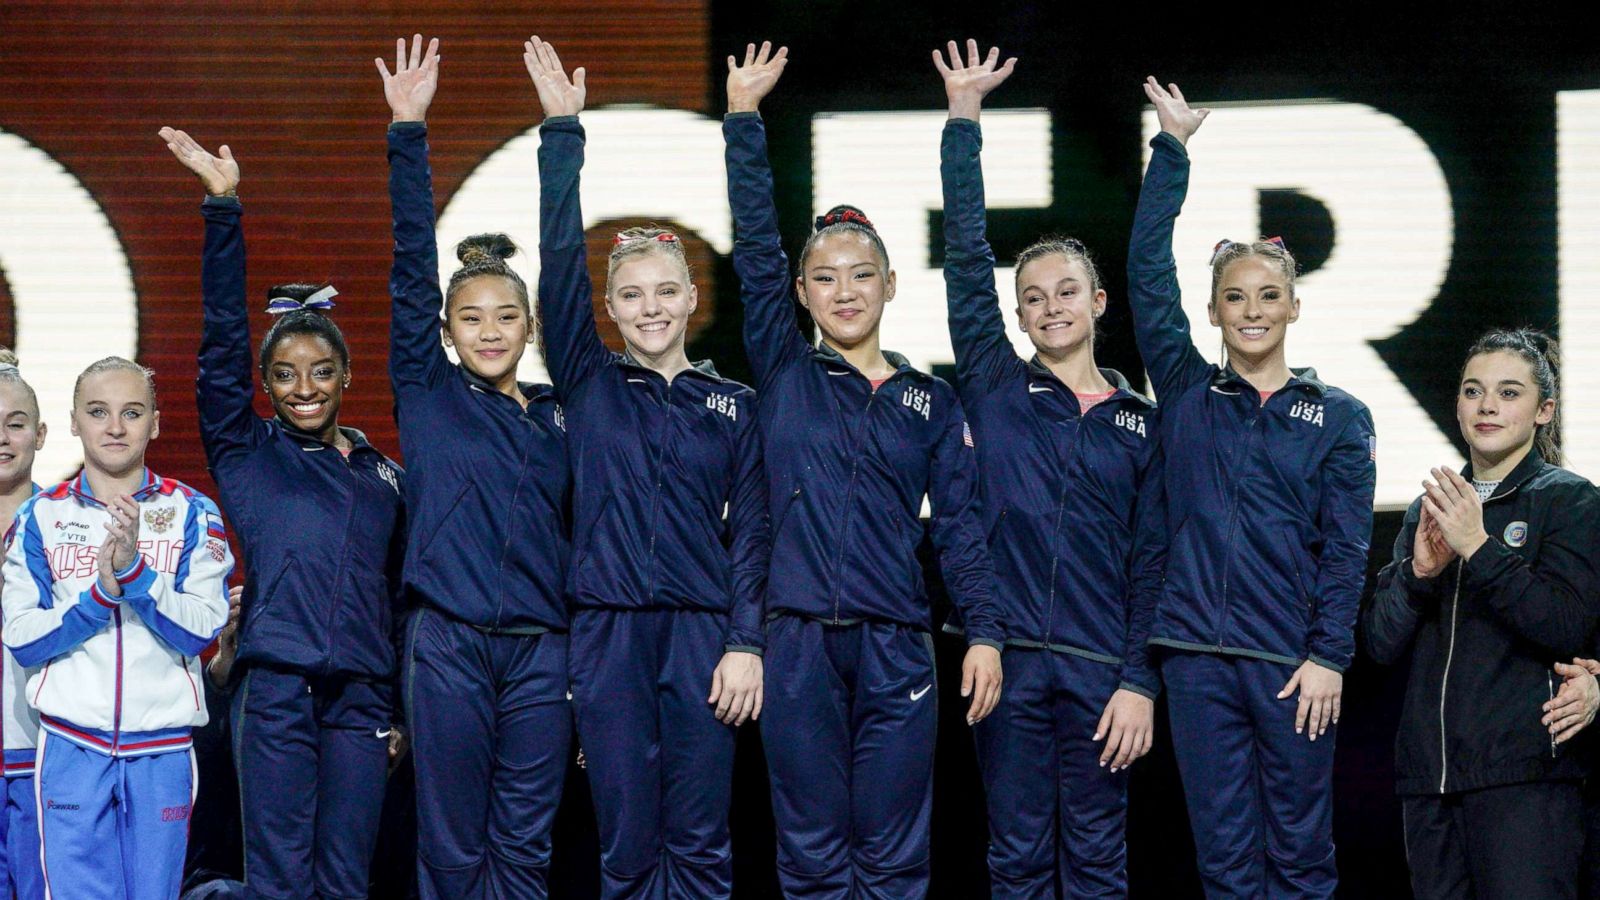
(79, 486)
(1122, 390)
(1306, 378)
(309, 441)
(528, 389)
(1529, 467)
(901, 365)
(702, 367)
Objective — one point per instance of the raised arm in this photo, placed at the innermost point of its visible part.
(224, 390)
(416, 356)
(572, 346)
(977, 328)
(1159, 324)
(772, 339)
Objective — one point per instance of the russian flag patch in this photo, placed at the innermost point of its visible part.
(214, 527)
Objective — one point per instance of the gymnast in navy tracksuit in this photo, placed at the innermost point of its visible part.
(485, 666)
(320, 516)
(854, 439)
(1065, 450)
(667, 596)
(1269, 481)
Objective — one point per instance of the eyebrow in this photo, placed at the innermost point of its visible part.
(634, 287)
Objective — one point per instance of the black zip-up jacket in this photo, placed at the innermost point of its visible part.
(1484, 634)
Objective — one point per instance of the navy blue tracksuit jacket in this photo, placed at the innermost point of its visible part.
(1061, 488)
(1269, 507)
(322, 534)
(848, 466)
(655, 465)
(487, 485)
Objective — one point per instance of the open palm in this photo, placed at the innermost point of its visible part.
(750, 82)
(219, 174)
(1172, 111)
(410, 88)
(966, 85)
(558, 94)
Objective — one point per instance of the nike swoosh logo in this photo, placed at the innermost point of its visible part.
(381, 735)
(917, 695)
(1038, 389)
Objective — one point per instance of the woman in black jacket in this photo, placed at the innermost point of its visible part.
(1493, 581)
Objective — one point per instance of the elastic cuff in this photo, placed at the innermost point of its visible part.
(743, 648)
(1139, 689)
(735, 116)
(100, 598)
(408, 126)
(1172, 143)
(562, 124)
(1312, 657)
(226, 201)
(133, 571)
(987, 642)
(962, 122)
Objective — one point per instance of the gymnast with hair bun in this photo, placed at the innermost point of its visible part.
(320, 515)
(485, 656)
(666, 640)
(855, 438)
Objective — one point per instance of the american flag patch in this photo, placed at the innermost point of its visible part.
(966, 434)
(1372, 444)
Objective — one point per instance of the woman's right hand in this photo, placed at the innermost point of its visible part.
(750, 83)
(1430, 552)
(219, 175)
(410, 89)
(559, 95)
(966, 86)
(1172, 111)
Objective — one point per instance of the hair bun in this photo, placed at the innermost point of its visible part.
(844, 213)
(482, 249)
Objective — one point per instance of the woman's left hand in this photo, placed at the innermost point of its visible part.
(558, 94)
(1453, 502)
(736, 688)
(980, 679)
(1320, 691)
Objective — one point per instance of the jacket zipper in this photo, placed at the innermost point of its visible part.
(1550, 682)
(1233, 521)
(1055, 534)
(850, 490)
(516, 494)
(655, 499)
(344, 561)
(116, 718)
(1444, 682)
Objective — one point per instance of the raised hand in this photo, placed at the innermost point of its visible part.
(559, 95)
(749, 83)
(410, 88)
(1430, 553)
(965, 86)
(219, 174)
(1172, 111)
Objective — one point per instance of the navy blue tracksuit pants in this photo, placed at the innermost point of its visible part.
(660, 765)
(491, 729)
(1055, 816)
(849, 727)
(313, 756)
(1260, 796)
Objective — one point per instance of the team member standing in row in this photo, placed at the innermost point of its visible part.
(1494, 580)
(113, 634)
(22, 435)
(854, 438)
(1269, 506)
(1064, 450)
(668, 597)
(319, 513)
(485, 667)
